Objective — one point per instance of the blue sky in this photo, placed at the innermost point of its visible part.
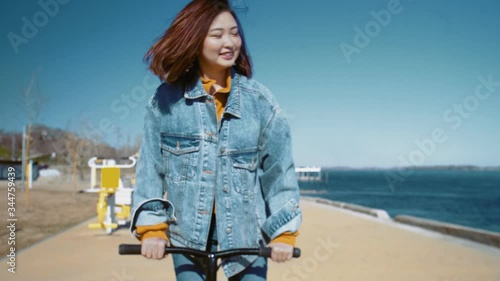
(364, 83)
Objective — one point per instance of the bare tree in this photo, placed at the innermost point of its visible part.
(137, 144)
(75, 152)
(33, 99)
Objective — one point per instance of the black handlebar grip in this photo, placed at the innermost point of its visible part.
(126, 249)
(296, 252)
(266, 252)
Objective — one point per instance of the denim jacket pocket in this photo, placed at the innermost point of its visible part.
(179, 156)
(245, 165)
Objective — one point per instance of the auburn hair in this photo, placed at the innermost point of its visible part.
(173, 58)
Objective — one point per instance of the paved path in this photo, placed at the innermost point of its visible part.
(336, 245)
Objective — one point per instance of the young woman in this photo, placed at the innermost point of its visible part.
(215, 170)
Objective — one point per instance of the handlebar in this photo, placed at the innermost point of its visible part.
(134, 249)
(207, 260)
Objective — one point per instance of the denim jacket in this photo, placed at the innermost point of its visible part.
(189, 160)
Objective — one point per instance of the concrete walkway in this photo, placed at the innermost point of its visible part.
(336, 245)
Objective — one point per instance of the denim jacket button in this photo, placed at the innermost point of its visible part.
(225, 188)
(228, 230)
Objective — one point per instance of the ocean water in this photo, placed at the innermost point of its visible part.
(469, 198)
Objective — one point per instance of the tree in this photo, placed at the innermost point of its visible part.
(33, 99)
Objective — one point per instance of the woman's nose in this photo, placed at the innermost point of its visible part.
(228, 41)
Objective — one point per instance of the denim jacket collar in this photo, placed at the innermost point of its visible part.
(233, 105)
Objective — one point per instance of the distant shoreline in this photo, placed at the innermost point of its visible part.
(416, 168)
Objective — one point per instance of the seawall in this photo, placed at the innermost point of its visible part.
(473, 234)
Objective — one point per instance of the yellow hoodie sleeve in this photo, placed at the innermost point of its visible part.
(287, 238)
(152, 231)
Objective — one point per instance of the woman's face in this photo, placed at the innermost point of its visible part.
(222, 45)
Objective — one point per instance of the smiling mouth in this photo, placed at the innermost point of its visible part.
(227, 55)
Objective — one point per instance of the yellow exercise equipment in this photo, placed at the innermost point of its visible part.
(115, 200)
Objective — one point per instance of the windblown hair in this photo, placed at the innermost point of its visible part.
(173, 58)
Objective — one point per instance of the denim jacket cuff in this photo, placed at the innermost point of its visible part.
(287, 218)
(152, 212)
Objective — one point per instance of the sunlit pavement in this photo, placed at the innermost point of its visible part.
(336, 245)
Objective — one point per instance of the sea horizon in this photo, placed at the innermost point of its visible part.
(469, 198)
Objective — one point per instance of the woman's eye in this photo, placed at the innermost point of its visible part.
(216, 35)
(235, 34)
